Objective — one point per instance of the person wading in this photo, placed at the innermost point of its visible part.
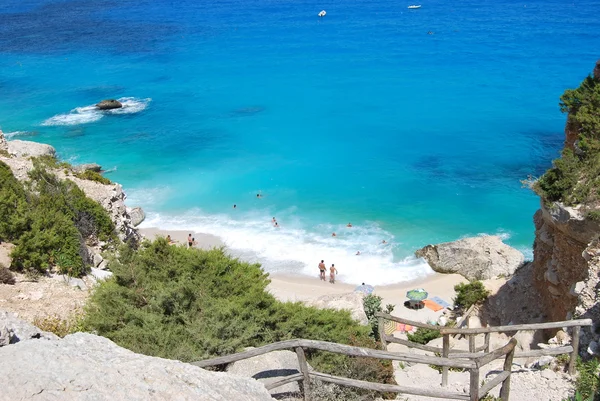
(322, 270)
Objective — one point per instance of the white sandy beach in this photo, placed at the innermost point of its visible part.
(290, 287)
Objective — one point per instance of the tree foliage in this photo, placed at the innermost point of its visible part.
(49, 221)
(575, 177)
(191, 304)
(468, 294)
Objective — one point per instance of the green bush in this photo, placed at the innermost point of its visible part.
(93, 176)
(191, 304)
(13, 205)
(468, 294)
(49, 221)
(51, 162)
(575, 178)
(372, 305)
(423, 335)
(588, 383)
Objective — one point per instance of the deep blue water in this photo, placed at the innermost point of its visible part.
(361, 116)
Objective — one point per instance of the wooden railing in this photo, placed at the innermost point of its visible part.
(473, 364)
(475, 352)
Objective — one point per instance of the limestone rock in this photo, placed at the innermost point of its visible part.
(269, 368)
(87, 167)
(99, 274)
(14, 330)
(477, 258)
(97, 259)
(137, 216)
(86, 367)
(26, 148)
(352, 302)
(3, 143)
(109, 104)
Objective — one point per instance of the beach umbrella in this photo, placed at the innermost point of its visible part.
(366, 288)
(417, 294)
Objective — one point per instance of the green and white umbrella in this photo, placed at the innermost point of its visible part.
(417, 294)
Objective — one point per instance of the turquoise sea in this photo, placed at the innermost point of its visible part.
(361, 116)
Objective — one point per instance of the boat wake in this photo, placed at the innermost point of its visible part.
(90, 114)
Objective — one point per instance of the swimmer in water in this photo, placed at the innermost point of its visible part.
(273, 220)
(357, 253)
(384, 242)
(235, 206)
(333, 234)
(276, 225)
(349, 225)
(258, 196)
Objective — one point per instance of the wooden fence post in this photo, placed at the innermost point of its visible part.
(472, 343)
(304, 370)
(575, 353)
(381, 327)
(474, 384)
(445, 353)
(505, 389)
(487, 342)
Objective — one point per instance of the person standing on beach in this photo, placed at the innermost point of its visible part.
(332, 272)
(190, 241)
(322, 270)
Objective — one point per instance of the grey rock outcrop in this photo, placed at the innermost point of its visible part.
(269, 368)
(352, 302)
(87, 167)
(109, 104)
(86, 367)
(14, 330)
(27, 148)
(476, 258)
(137, 216)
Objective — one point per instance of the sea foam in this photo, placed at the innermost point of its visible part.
(296, 248)
(90, 114)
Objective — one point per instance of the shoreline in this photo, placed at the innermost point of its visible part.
(289, 287)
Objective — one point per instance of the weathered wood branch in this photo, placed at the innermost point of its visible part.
(389, 387)
(517, 327)
(288, 379)
(487, 358)
(493, 383)
(338, 349)
(406, 321)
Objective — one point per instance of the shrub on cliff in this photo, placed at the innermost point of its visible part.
(575, 177)
(468, 294)
(49, 221)
(191, 304)
(13, 205)
(93, 176)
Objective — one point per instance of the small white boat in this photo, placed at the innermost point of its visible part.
(322, 13)
(413, 7)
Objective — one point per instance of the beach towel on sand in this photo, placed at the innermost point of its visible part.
(440, 301)
(432, 305)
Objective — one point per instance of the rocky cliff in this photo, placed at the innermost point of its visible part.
(566, 263)
(17, 155)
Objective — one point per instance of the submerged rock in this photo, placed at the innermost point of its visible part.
(477, 258)
(109, 104)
